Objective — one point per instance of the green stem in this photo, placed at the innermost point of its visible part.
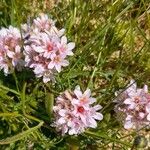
(100, 136)
(21, 135)
(29, 128)
(14, 114)
(32, 118)
(93, 73)
(8, 89)
(23, 95)
(16, 81)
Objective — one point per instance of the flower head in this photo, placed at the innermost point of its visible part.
(74, 112)
(11, 56)
(134, 104)
(43, 22)
(46, 50)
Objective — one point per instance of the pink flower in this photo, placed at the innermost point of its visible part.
(57, 61)
(83, 98)
(135, 105)
(45, 50)
(43, 22)
(49, 46)
(88, 114)
(16, 56)
(128, 122)
(94, 114)
(11, 56)
(135, 96)
(76, 126)
(73, 115)
(64, 48)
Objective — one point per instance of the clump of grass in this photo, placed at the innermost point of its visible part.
(112, 47)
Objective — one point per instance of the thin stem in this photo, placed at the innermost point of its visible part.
(23, 105)
(107, 138)
(14, 114)
(8, 89)
(29, 128)
(16, 81)
(33, 118)
(93, 73)
(23, 97)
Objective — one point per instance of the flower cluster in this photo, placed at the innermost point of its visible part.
(46, 47)
(74, 112)
(134, 105)
(43, 48)
(11, 56)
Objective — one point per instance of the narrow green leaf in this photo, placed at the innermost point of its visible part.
(20, 135)
(9, 90)
(14, 114)
(49, 102)
(23, 97)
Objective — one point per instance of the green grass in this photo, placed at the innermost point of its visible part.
(112, 47)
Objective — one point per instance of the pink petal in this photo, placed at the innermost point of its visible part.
(141, 115)
(128, 101)
(145, 88)
(75, 101)
(51, 65)
(64, 40)
(148, 117)
(128, 124)
(65, 63)
(92, 122)
(55, 108)
(148, 108)
(98, 116)
(131, 93)
(70, 46)
(61, 32)
(46, 79)
(39, 49)
(69, 53)
(53, 55)
(17, 49)
(60, 99)
(87, 93)
(72, 131)
(39, 70)
(6, 70)
(77, 92)
(68, 96)
(131, 90)
(92, 100)
(14, 63)
(83, 118)
(133, 84)
(97, 107)
(129, 117)
(64, 129)
(61, 120)
(139, 92)
(10, 54)
(70, 123)
(62, 112)
(132, 105)
(58, 67)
